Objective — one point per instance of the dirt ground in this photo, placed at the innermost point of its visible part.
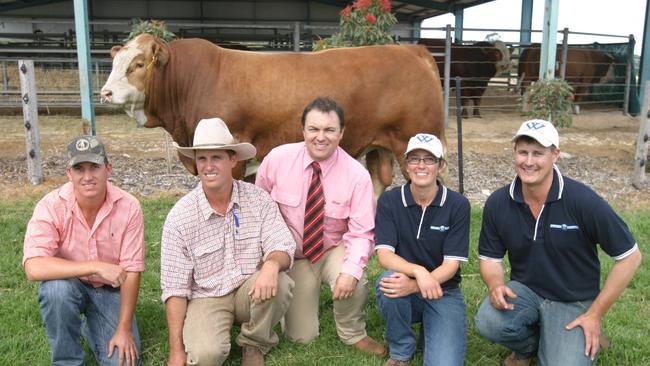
(597, 150)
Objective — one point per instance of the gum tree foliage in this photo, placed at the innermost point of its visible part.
(552, 100)
(154, 27)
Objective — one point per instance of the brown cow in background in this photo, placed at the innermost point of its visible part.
(584, 68)
(474, 63)
(388, 94)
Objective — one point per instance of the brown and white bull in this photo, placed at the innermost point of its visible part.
(388, 94)
(584, 68)
(474, 63)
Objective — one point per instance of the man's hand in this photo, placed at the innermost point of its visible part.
(177, 358)
(266, 283)
(428, 284)
(344, 287)
(498, 296)
(398, 285)
(591, 328)
(127, 352)
(112, 273)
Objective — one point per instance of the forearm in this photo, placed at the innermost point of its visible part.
(617, 280)
(446, 270)
(492, 273)
(393, 262)
(55, 268)
(281, 259)
(128, 299)
(175, 309)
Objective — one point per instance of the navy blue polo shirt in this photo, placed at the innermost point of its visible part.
(556, 255)
(424, 237)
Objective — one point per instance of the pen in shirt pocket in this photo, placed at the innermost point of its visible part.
(234, 215)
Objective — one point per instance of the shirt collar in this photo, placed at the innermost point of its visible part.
(554, 194)
(325, 165)
(66, 193)
(439, 200)
(204, 206)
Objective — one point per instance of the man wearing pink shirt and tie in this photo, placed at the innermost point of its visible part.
(327, 200)
(85, 244)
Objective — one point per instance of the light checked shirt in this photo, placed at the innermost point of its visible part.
(58, 229)
(349, 200)
(206, 254)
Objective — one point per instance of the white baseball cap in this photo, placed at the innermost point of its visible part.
(542, 131)
(427, 142)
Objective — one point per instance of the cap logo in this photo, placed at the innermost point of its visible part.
(82, 145)
(534, 125)
(424, 138)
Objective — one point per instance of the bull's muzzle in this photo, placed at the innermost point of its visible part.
(106, 96)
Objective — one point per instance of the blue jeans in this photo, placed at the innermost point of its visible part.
(62, 302)
(536, 326)
(443, 323)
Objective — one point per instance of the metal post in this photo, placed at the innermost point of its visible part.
(5, 76)
(459, 127)
(565, 51)
(296, 36)
(628, 75)
(83, 55)
(30, 116)
(639, 180)
(447, 72)
(549, 35)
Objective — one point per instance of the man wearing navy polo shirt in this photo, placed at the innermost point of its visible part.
(422, 236)
(549, 225)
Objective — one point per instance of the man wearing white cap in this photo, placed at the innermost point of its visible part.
(422, 236)
(224, 251)
(549, 225)
(85, 243)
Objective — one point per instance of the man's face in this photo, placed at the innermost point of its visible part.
(534, 162)
(322, 133)
(422, 168)
(215, 168)
(89, 180)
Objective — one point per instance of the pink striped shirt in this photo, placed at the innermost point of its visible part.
(349, 200)
(206, 254)
(58, 229)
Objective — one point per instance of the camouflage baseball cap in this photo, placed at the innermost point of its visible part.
(84, 149)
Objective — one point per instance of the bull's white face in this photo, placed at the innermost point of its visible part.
(502, 65)
(125, 84)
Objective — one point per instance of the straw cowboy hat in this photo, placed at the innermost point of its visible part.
(211, 134)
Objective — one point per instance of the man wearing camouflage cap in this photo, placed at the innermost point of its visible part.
(85, 244)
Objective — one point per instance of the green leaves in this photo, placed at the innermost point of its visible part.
(552, 100)
(365, 23)
(156, 28)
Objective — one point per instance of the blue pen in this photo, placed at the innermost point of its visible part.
(236, 221)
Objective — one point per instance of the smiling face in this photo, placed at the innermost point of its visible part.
(89, 180)
(214, 168)
(422, 168)
(534, 163)
(322, 132)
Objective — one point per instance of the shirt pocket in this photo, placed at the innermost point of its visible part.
(336, 218)
(208, 260)
(285, 198)
(248, 251)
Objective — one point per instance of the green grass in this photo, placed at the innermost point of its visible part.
(23, 342)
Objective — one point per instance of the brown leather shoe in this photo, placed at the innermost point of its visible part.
(251, 356)
(393, 362)
(369, 345)
(512, 360)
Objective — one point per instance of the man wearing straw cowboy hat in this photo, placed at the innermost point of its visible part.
(224, 251)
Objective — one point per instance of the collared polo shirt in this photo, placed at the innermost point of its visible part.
(556, 255)
(206, 254)
(426, 236)
(58, 229)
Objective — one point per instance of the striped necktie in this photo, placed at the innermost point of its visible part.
(312, 243)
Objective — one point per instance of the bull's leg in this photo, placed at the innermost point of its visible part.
(524, 101)
(477, 104)
(379, 162)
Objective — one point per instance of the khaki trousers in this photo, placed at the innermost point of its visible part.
(301, 320)
(206, 332)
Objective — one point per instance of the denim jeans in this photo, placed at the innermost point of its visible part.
(443, 323)
(536, 326)
(62, 302)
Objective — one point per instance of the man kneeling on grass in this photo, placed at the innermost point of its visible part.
(85, 243)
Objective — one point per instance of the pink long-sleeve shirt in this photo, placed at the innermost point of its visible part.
(349, 200)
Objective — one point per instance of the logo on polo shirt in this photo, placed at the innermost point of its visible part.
(440, 228)
(564, 227)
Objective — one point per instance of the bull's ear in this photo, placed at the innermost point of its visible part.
(160, 52)
(115, 50)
